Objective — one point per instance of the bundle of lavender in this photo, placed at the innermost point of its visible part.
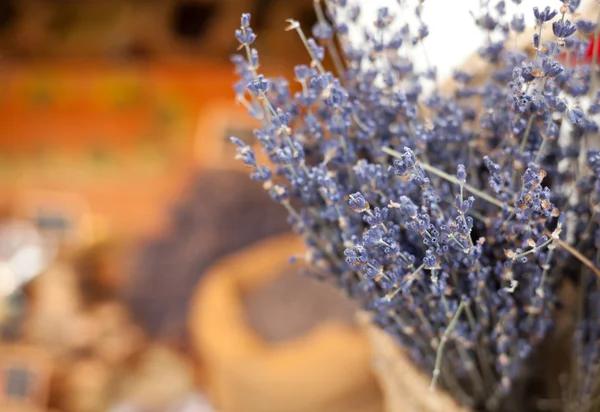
(457, 219)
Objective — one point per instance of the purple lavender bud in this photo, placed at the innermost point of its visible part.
(409, 157)
(373, 270)
(491, 52)
(356, 256)
(401, 166)
(590, 126)
(487, 22)
(531, 177)
(341, 28)
(254, 58)
(383, 18)
(239, 88)
(237, 59)
(245, 20)
(393, 247)
(396, 41)
(335, 97)
(545, 15)
(575, 115)
(245, 36)
(237, 142)
(536, 41)
(353, 13)
(594, 107)
(430, 73)
(317, 51)
(541, 241)
(258, 86)
(467, 204)
(551, 67)
(586, 26)
(407, 207)
(457, 203)
(322, 30)
(279, 193)
(372, 236)
(562, 30)
(496, 181)
(518, 23)
(492, 167)
(573, 5)
(501, 7)
(430, 261)
(559, 105)
(244, 151)
(551, 129)
(281, 119)
(301, 71)
(358, 203)
(462, 77)
(319, 82)
(461, 173)
(283, 156)
(378, 216)
(261, 174)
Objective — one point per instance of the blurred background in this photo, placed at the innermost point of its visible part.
(118, 189)
(140, 269)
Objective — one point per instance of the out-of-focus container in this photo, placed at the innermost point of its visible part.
(325, 370)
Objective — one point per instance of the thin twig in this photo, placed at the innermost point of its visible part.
(442, 344)
(294, 25)
(488, 376)
(578, 256)
(333, 52)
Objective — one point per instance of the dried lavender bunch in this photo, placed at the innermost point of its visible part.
(455, 218)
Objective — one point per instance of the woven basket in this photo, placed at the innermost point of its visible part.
(405, 388)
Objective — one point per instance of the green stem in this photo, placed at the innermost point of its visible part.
(442, 345)
(294, 25)
(335, 57)
(488, 376)
(533, 249)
